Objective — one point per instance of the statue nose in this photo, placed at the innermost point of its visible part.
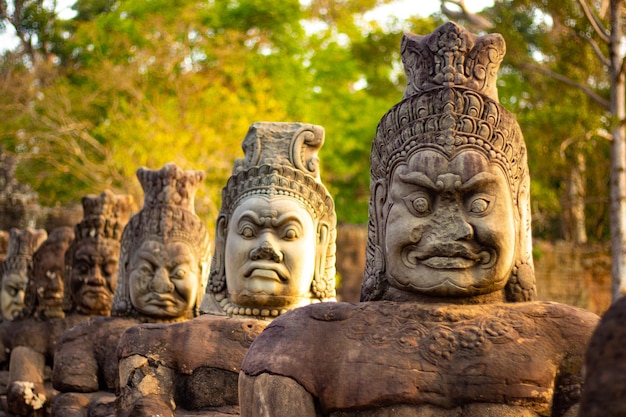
(96, 277)
(161, 282)
(266, 251)
(453, 226)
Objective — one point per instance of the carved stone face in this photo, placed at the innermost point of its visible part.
(163, 279)
(451, 229)
(12, 294)
(94, 276)
(270, 253)
(48, 277)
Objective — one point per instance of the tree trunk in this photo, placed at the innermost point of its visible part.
(618, 154)
(574, 210)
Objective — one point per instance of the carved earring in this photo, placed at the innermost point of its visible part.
(320, 285)
(521, 285)
(217, 277)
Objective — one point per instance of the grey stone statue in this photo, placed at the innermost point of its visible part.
(15, 269)
(447, 327)
(163, 264)
(275, 251)
(74, 267)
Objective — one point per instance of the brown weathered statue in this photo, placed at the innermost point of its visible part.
(15, 269)
(605, 368)
(163, 259)
(41, 316)
(71, 271)
(275, 250)
(92, 259)
(447, 327)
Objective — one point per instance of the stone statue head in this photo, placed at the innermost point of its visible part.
(165, 250)
(44, 292)
(276, 230)
(449, 208)
(16, 268)
(92, 258)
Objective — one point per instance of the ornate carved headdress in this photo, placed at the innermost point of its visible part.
(168, 215)
(280, 159)
(22, 245)
(450, 105)
(104, 218)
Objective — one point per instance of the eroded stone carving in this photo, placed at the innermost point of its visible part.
(162, 272)
(15, 269)
(605, 381)
(91, 261)
(74, 264)
(442, 331)
(275, 250)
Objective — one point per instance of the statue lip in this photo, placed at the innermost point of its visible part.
(96, 290)
(448, 262)
(265, 270)
(447, 256)
(160, 299)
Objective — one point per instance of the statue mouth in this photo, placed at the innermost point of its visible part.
(448, 256)
(266, 271)
(161, 300)
(95, 292)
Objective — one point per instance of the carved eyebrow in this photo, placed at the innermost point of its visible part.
(282, 219)
(181, 258)
(251, 216)
(147, 255)
(286, 218)
(418, 178)
(479, 180)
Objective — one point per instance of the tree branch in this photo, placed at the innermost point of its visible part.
(594, 22)
(473, 19)
(596, 48)
(560, 77)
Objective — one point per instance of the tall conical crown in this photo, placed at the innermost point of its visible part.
(22, 245)
(451, 103)
(104, 215)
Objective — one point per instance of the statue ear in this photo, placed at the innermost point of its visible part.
(217, 278)
(321, 282)
(373, 287)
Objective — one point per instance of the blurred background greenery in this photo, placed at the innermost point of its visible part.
(88, 97)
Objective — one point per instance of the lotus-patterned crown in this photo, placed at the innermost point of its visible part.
(104, 216)
(168, 212)
(22, 245)
(451, 103)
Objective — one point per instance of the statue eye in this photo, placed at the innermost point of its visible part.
(145, 269)
(247, 231)
(109, 269)
(179, 273)
(480, 205)
(82, 268)
(290, 234)
(419, 204)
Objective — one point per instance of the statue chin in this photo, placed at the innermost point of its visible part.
(250, 299)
